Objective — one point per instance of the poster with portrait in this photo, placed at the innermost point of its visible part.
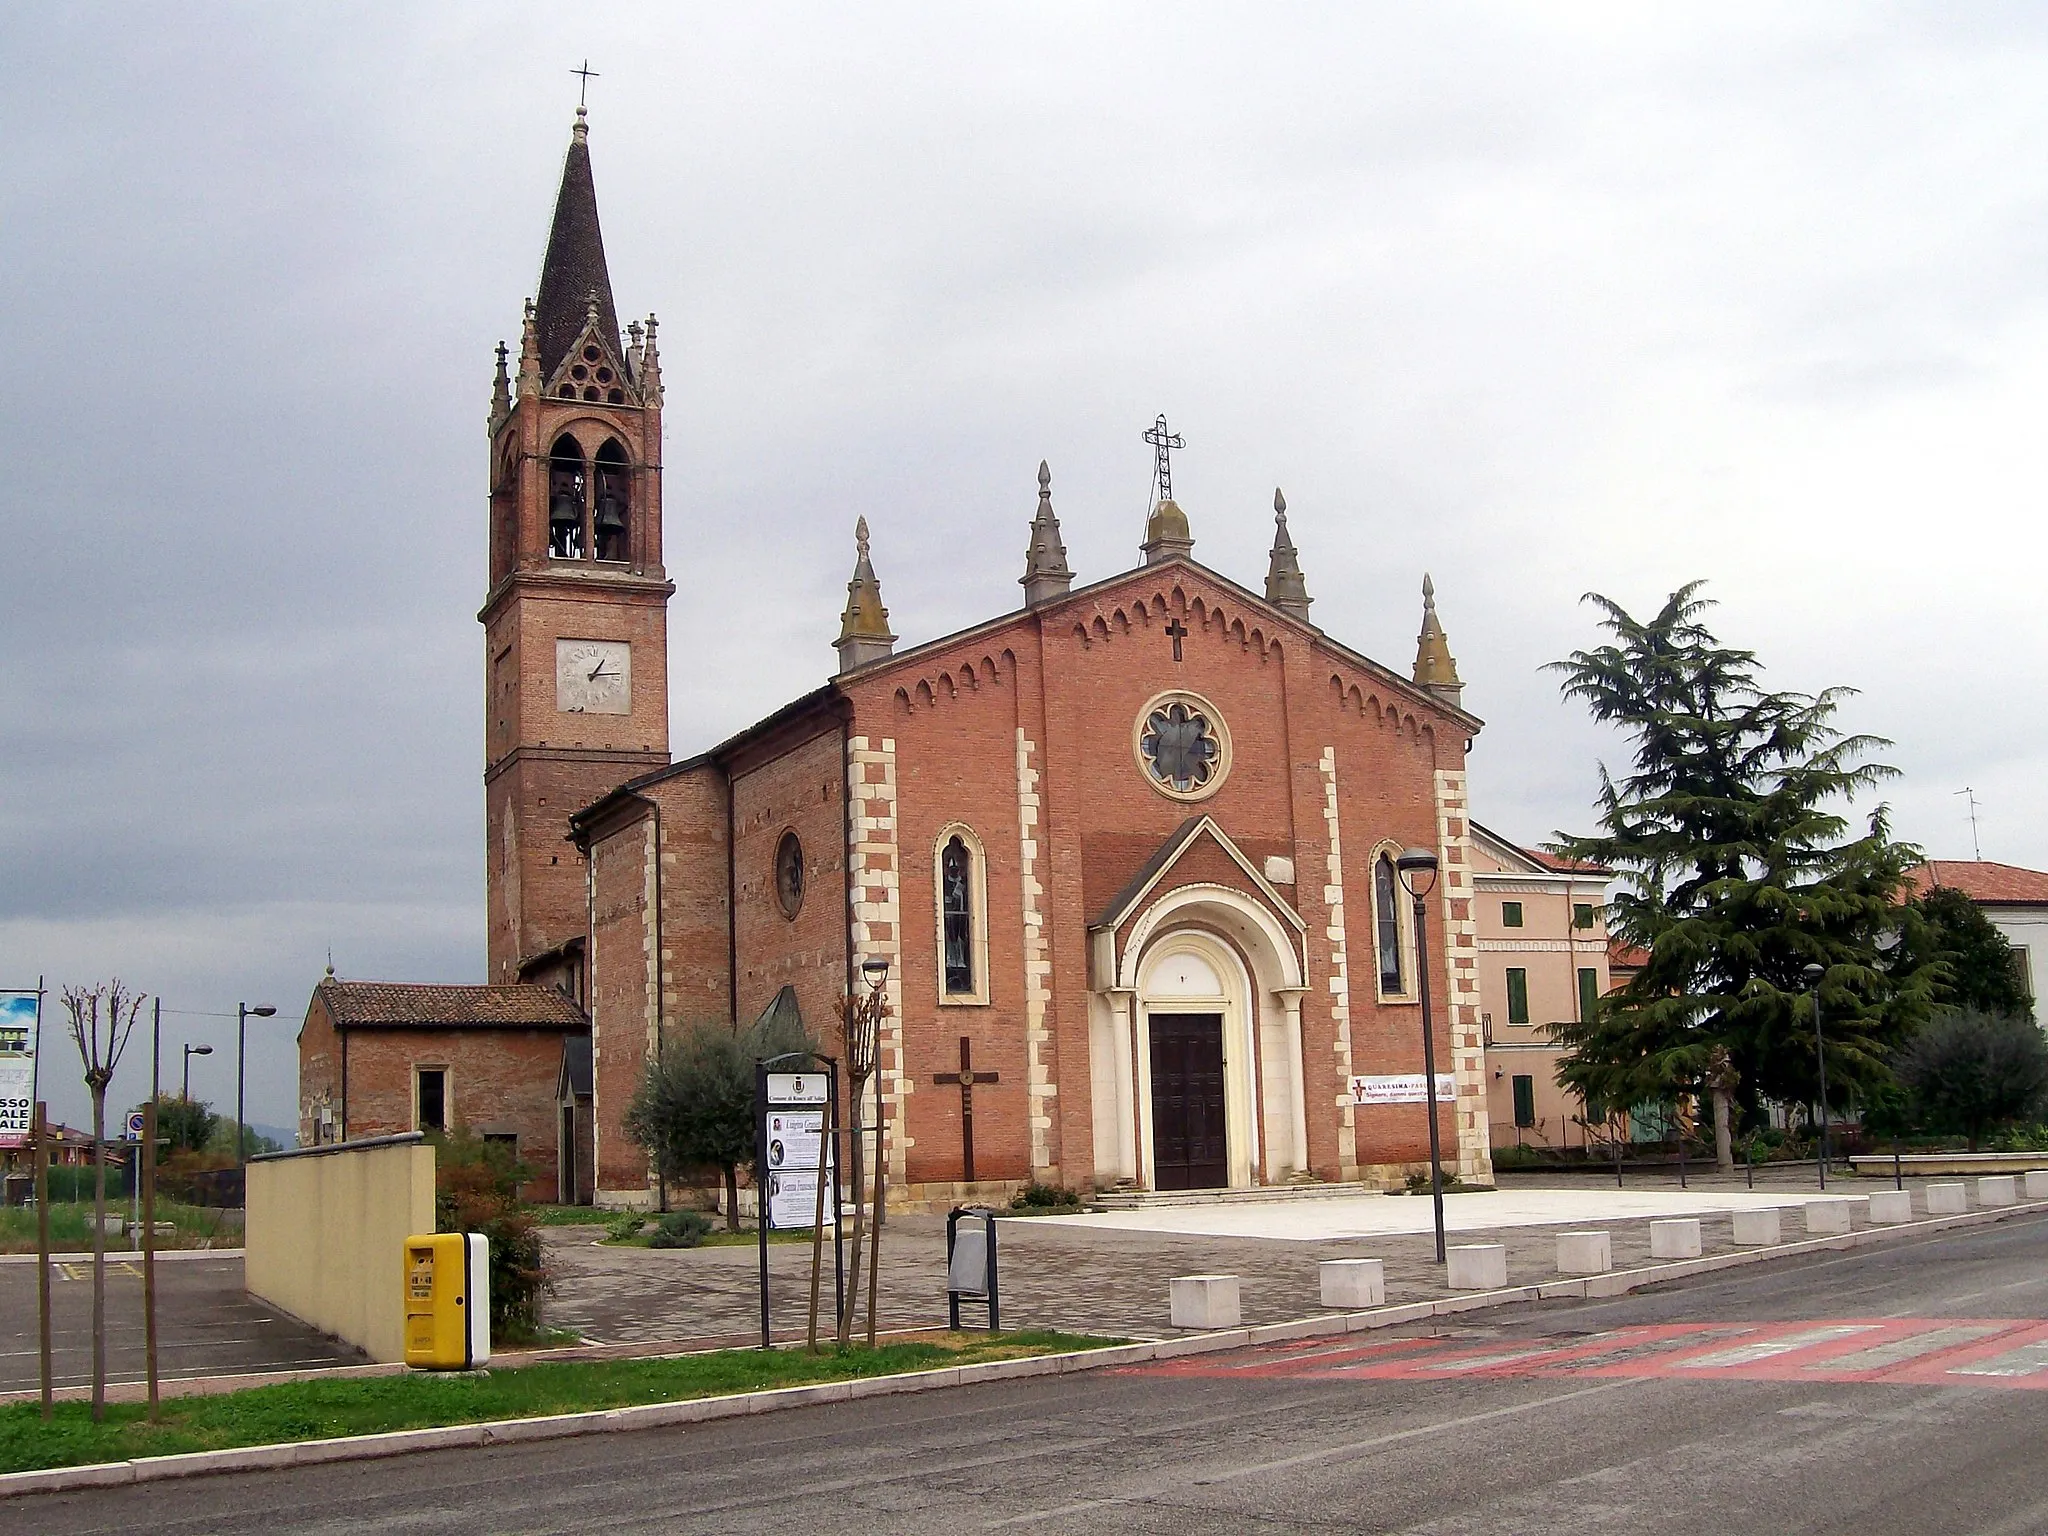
(795, 1139)
(20, 1024)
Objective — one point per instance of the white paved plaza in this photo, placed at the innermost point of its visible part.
(1376, 1215)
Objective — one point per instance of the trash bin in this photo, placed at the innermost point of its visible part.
(971, 1263)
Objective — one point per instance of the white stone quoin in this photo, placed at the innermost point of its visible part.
(1204, 1301)
(1998, 1189)
(1478, 1266)
(1947, 1199)
(1758, 1228)
(1824, 1217)
(1892, 1206)
(1675, 1237)
(1584, 1253)
(2037, 1184)
(1349, 1284)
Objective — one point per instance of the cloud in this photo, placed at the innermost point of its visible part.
(1542, 299)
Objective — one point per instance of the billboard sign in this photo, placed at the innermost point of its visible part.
(20, 1021)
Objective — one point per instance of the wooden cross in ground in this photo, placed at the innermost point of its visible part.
(1179, 632)
(967, 1077)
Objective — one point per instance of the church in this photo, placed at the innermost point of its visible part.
(1126, 848)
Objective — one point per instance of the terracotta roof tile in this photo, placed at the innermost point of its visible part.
(361, 1004)
(1988, 884)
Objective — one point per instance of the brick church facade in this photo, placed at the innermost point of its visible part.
(1127, 848)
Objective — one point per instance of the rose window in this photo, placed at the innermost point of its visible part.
(1181, 748)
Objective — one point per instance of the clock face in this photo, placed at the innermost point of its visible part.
(593, 677)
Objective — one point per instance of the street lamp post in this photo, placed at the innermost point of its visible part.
(245, 1013)
(1812, 975)
(185, 1093)
(1417, 868)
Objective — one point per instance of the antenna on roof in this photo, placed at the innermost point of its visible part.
(1975, 848)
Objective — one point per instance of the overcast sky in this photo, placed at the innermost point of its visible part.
(1540, 299)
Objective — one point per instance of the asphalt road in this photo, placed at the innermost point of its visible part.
(1891, 1390)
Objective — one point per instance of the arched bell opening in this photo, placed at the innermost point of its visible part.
(568, 482)
(613, 510)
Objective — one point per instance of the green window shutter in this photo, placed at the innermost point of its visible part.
(1589, 991)
(1582, 914)
(1525, 1101)
(1511, 914)
(1518, 995)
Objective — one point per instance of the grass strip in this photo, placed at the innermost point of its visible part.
(324, 1408)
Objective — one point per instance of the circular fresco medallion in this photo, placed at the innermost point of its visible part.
(1182, 746)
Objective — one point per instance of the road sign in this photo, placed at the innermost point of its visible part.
(135, 1125)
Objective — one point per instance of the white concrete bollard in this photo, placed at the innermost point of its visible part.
(1584, 1253)
(1947, 1199)
(1205, 1301)
(1890, 1207)
(2037, 1184)
(1824, 1217)
(1758, 1227)
(1478, 1266)
(1676, 1237)
(1998, 1189)
(1352, 1283)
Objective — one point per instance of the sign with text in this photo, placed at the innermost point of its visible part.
(795, 1141)
(1404, 1088)
(20, 1017)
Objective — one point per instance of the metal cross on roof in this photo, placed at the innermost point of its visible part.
(1165, 442)
(588, 75)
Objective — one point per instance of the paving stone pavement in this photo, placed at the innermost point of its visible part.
(1055, 1276)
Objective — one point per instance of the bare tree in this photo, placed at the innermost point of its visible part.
(102, 1017)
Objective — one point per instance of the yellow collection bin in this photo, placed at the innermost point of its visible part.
(447, 1301)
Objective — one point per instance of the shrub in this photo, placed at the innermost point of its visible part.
(1972, 1072)
(1044, 1197)
(476, 1189)
(624, 1227)
(1418, 1183)
(680, 1229)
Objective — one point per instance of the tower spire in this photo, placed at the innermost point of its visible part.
(864, 627)
(573, 275)
(1435, 669)
(1046, 575)
(1285, 587)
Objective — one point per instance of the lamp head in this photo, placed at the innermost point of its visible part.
(1812, 973)
(198, 1050)
(261, 1011)
(1417, 869)
(875, 971)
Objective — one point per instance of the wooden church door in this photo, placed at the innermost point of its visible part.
(1188, 1146)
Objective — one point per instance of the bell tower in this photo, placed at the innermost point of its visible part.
(576, 618)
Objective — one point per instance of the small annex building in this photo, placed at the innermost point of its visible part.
(380, 1057)
(2014, 899)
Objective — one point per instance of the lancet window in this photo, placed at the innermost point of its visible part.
(568, 481)
(613, 510)
(956, 915)
(1386, 892)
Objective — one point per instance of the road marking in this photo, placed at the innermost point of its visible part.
(1770, 1349)
(1907, 1351)
(2027, 1360)
(1882, 1357)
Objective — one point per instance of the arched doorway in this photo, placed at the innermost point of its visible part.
(1211, 954)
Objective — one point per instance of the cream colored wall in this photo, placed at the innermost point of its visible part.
(326, 1231)
(1552, 952)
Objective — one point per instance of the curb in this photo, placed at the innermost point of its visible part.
(705, 1410)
